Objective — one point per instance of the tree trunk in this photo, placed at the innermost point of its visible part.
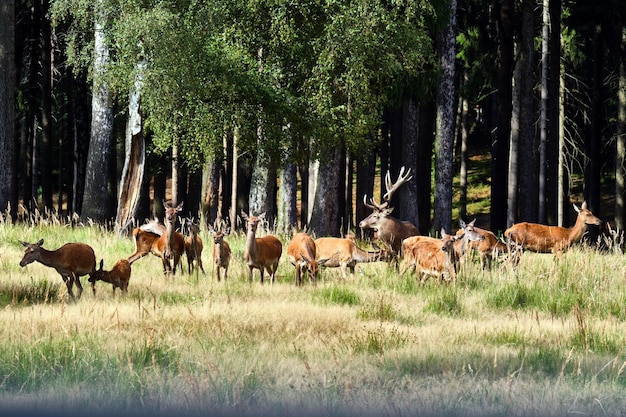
(408, 192)
(463, 157)
(594, 138)
(444, 142)
(554, 69)
(365, 173)
(96, 199)
(500, 162)
(423, 171)
(325, 215)
(8, 146)
(287, 217)
(620, 169)
(526, 209)
(234, 176)
(514, 145)
(211, 191)
(46, 107)
(134, 162)
(263, 185)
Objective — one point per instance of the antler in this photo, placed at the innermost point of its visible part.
(374, 205)
(391, 188)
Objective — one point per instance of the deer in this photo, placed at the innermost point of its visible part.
(261, 253)
(71, 261)
(430, 256)
(193, 248)
(555, 239)
(119, 276)
(221, 251)
(489, 247)
(390, 230)
(344, 253)
(153, 237)
(302, 254)
(436, 257)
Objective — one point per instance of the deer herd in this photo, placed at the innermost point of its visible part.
(402, 246)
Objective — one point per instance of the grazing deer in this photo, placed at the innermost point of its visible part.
(193, 248)
(221, 251)
(343, 253)
(390, 230)
(488, 248)
(302, 254)
(119, 276)
(71, 261)
(544, 239)
(153, 237)
(261, 253)
(437, 257)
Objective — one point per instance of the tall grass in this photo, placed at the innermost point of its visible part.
(546, 338)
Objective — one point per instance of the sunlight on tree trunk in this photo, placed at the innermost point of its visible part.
(135, 155)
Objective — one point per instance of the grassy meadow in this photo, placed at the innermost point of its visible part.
(547, 338)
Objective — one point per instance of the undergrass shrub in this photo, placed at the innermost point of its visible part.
(36, 292)
(446, 301)
(336, 294)
(377, 341)
(380, 308)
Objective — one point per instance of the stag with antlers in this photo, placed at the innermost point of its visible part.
(390, 230)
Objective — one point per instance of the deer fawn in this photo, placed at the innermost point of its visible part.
(119, 276)
(261, 253)
(221, 251)
(193, 248)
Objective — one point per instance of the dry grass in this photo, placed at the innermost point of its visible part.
(547, 339)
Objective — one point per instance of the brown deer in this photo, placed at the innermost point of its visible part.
(193, 248)
(302, 254)
(119, 276)
(436, 257)
(544, 239)
(344, 253)
(71, 261)
(390, 230)
(152, 237)
(488, 248)
(261, 253)
(221, 251)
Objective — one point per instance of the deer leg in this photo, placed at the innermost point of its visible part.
(78, 284)
(199, 259)
(67, 279)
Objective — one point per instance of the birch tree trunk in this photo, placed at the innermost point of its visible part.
(134, 161)
(96, 199)
(444, 141)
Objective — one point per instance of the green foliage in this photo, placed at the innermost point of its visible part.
(381, 308)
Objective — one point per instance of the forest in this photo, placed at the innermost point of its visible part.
(298, 108)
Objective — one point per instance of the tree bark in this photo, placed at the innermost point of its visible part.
(46, 107)
(500, 160)
(8, 146)
(134, 161)
(97, 197)
(444, 142)
(526, 209)
(408, 192)
(594, 138)
(620, 169)
(325, 215)
(287, 217)
(423, 172)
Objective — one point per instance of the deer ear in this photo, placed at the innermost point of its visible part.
(443, 232)
(101, 263)
(180, 206)
(584, 206)
(472, 223)
(388, 211)
(244, 215)
(40, 242)
(462, 223)
(577, 209)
